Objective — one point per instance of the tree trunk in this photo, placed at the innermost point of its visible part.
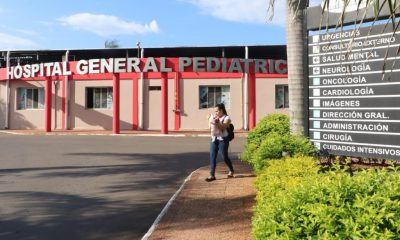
(296, 47)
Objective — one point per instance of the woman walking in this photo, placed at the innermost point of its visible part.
(219, 141)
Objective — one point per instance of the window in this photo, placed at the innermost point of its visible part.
(213, 95)
(154, 88)
(99, 97)
(281, 96)
(30, 98)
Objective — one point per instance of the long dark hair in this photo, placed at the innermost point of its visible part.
(221, 107)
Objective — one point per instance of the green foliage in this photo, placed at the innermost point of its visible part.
(295, 200)
(273, 123)
(270, 147)
(270, 138)
(111, 44)
(299, 145)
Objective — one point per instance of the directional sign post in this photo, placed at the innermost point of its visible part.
(354, 92)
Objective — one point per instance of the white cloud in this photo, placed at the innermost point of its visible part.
(106, 25)
(13, 42)
(249, 11)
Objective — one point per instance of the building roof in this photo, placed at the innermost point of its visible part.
(41, 56)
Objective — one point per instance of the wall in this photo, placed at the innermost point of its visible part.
(26, 118)
(34, 118)
(152, 105)
(265, 96)
(192, 117)
(56, 115)
(99, 119)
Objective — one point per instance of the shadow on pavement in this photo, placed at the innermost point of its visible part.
(109, 199)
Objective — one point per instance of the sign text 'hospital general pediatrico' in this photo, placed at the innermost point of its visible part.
(150, 64)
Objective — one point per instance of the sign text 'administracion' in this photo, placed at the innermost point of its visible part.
(150, 64)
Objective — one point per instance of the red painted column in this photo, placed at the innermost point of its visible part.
(252, 100)
(135, 104)
(63, 103)
(47, 105)
(116, 105)
(164, 103)
(177, 102)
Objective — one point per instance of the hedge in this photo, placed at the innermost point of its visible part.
(296, 200)
(270, 138)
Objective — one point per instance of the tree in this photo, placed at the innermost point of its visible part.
(295, 36)
(111, 44)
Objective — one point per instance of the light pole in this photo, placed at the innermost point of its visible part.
(138, 49)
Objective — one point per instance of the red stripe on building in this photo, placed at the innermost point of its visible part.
(164, 103)
(177, 99)
(116, 105)
(252, 100)
(47, 105)
(135, 103)
(63, 86)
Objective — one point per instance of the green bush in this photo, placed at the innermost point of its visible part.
(295, 200)
(273, 123)
(270, 138)
(298, 145)
(270, 148)
(278, 123)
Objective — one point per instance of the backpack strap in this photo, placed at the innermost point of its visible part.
(222, 122)
(224, 119)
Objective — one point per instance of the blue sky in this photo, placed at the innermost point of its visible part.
(81, 24)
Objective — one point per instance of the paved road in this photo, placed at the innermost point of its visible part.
(92, 187)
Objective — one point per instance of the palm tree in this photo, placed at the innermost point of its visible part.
(296, 39)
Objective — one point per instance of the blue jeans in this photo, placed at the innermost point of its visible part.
(222, 147)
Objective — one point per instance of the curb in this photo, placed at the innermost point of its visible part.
(15, 133)
(166, 207)
(105, 134)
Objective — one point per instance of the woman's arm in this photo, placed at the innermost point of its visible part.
(223, 126)
(209, 116)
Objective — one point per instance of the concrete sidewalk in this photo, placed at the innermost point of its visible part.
(221, 209)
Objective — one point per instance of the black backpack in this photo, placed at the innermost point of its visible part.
(230, 129)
